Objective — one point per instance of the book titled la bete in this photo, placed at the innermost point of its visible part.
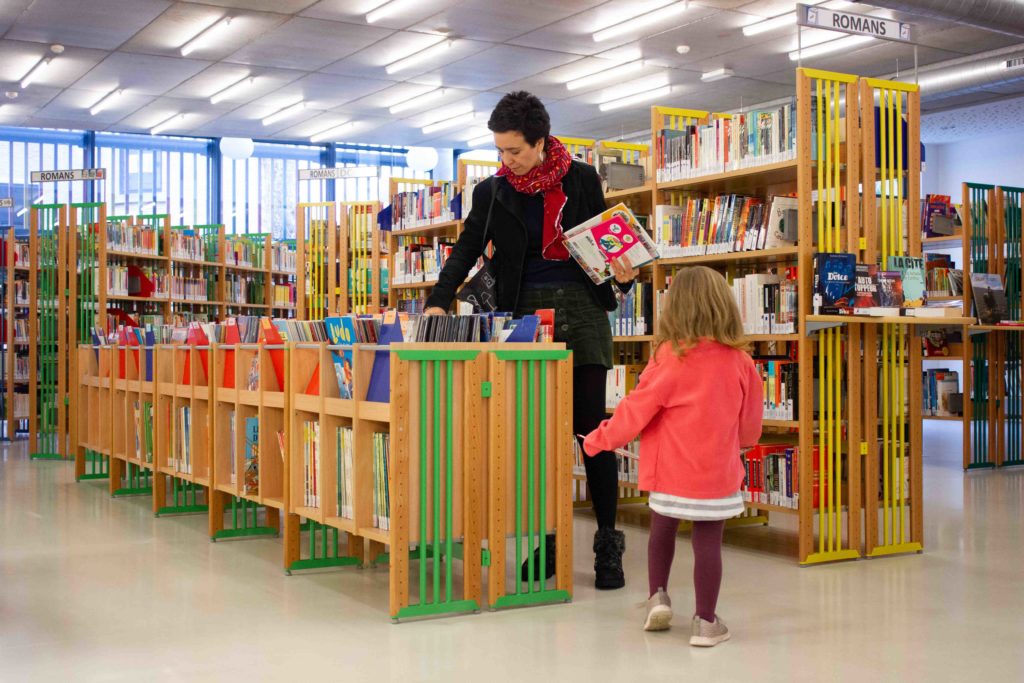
(834, 283)
(612, 234)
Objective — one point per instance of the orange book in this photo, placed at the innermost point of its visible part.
(231, 336)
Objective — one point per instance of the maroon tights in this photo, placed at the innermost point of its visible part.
(707, 559)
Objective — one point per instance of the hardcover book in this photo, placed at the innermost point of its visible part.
(989, 298)
(866, 288)
(890, 289)
(612, 234)
(834, 283)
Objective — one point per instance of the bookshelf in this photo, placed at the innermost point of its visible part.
(317, 244)
(993, 354)
(364, 257)
(16, 340)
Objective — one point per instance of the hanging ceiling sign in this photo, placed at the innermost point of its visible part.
(857, 24)
(76, 174)
(7, 203)
(337, 173)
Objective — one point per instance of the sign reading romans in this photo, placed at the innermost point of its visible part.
(858, 24)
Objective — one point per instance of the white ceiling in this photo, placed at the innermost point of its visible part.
(325, 53)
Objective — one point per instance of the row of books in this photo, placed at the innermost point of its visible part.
(311, 478)
(939, 216)
(771, 476)
(779, 385)
(193, 288)
(181, 458)
(343, 451)
(21, 372)
(941, 393)
(244, 288)
(627, 462)
(844, 287)
(21, 333)
(725, 224)
(244, 252)
(768, 302)
(620, 381)
(142, 281)
(285, 295)
(282, 258)
(186, 244)
(420, 260)
(21, 405)
(21, 292)
(635, 313)
(21, 253)
(136, 239)
(381, 493)
(941, 276)
(414, 209)
(722, 144)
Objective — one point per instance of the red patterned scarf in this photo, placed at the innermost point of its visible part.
(547, 179)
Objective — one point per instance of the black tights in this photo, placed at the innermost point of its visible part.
(589, 383)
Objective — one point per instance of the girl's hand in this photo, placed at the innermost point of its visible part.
(622, 271)
(434, 310)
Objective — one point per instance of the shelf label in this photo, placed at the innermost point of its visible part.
(75, 174)
(337, 173)
(857, 24)
(7, 203)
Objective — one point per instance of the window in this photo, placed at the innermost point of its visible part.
(24, 150)
(156, 175)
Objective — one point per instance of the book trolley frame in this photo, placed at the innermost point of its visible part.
(480, 465)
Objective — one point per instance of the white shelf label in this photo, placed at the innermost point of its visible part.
(7, 203)
(858, 24)
(75, 174)
(337, 173)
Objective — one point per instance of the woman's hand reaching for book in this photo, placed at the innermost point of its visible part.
(623, 271)
(435, 310)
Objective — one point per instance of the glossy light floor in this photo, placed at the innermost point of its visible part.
(95, 589)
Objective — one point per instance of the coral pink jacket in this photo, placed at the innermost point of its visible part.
(692, 414)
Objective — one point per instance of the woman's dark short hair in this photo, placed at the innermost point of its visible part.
(520, 111)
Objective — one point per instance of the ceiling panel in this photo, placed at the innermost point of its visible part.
(552, 84)
(146, 74)
(406, 12)
(575, 34)
(500, 20)
(371, 62)
(75, 104)
(222, 75)
(327, 91)
(28, 102)
(103, 24)
(282, 6)
(303, 43)
(181, 23)
(378, 103)
(17, 59)
(496, 66)
(9, 13)
(197, 113)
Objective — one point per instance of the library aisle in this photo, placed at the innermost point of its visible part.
(95, 588)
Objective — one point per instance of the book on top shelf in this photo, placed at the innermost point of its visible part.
(834, 283)
(989, 298)
(890, 293)
(612, 234)
(911, 270)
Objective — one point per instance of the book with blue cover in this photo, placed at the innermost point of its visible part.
(834, 283)
(341, 332)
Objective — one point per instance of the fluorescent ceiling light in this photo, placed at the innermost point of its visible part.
(781, 21)
(168, 123)
(606, 75)
(452, 122)
(829, 47)
(34, 72)
(646, 96)
(284, 113)
(416, 102)
(206, 36)
(716, 75)
(333, 132)
(419, 56)
(106, 101)
(628, 26)
(384, 10)
(482, 141)
(22, 212)
(233, 89)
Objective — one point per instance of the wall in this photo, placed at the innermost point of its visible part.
(997, 160)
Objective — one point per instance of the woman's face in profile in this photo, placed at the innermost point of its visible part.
(516, 153)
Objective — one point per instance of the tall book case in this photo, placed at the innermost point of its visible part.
(992, 389)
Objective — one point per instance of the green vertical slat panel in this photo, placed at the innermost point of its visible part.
(46, 303)
(448, 481)
(519, 476)
(543, 471)
(423, 483)
(435, 475)
(531, 472)
(979, 264)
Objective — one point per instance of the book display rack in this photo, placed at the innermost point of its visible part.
(467, 462)
(992, 390)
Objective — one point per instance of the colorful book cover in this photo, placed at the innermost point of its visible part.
(890, 289)
(251, 473)
(272, 335)
(612, 234)
(866, 287)
(911, 270)
(834, 283)
(341, 332)
(989, 298)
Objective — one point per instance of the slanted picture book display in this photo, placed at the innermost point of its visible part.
(612, 234)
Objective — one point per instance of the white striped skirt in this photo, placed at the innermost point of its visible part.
(696, 509)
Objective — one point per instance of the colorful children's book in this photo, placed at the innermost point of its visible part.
(612, 234)
(341, 332)
(251, 476)
(911, 270)
(834, 283)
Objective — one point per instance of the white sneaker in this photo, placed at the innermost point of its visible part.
(708, 634)
(659, 612)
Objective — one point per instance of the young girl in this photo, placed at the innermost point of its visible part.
(698, 402)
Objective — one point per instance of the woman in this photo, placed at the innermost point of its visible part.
(538, 192)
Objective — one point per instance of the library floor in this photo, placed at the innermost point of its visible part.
(95, 589)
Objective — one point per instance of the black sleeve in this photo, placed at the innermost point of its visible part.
(595, 204)
(466, 251)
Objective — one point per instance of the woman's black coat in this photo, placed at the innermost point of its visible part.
(584, 199)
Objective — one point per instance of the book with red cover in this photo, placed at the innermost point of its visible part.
(271, 335)
(196, 337)
(231, 336)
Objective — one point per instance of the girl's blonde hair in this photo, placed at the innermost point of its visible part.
(699, 305)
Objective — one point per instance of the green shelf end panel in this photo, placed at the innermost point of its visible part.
(47, 303)
(322, 550)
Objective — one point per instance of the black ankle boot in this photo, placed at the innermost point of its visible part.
(549, 561)
(609, 544)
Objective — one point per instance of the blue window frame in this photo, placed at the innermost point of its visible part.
(24, 150)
